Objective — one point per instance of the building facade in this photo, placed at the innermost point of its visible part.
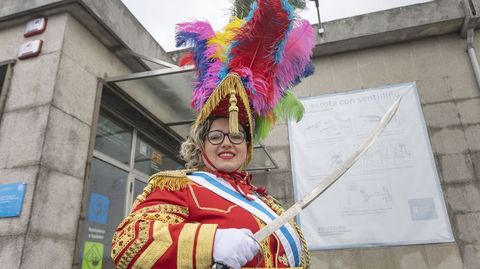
(84, 133)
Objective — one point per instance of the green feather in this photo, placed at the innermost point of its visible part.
(262, 128)
(289, 108)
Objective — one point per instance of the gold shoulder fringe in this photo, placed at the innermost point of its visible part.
(170, 180)
(164, 180)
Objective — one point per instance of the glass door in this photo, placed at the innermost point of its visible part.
(106, 205)
(124, 159)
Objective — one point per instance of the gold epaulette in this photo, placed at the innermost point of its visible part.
(165, 180)
(170, 180)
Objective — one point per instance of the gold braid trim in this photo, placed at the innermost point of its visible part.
(204, 249)
(306, 253)
(186, 249)
(267, 252)
(165, 208)
(139, 241)
(276, 206)
(126, 233)
(162, 240)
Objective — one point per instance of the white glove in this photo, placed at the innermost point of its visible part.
(234, 247)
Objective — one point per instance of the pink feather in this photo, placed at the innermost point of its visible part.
(205, 88)
(202, 28)
(298, 53)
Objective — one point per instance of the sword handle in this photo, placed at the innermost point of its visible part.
(220, 266)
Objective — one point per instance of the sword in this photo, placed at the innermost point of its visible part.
(326, 182)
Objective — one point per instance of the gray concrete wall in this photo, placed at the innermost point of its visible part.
(451, 105)
(44, 139)
(11, 7)
(121, 29)
(391, 26)
(23, 132)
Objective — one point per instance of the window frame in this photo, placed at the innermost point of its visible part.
(5, 86)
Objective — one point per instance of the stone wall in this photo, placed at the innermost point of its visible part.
(45, 137)
(451, 105)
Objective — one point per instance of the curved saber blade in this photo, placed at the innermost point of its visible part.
(330, 179)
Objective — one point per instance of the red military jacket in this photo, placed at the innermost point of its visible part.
(173, 224)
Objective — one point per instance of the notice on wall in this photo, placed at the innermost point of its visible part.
(11, 199)
(93, 255)
(392, 195)
(98, 208)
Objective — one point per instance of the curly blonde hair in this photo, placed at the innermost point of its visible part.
(191, 149)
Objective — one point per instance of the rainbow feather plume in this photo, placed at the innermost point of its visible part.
(268, 50)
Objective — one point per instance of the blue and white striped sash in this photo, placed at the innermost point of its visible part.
(257, 207)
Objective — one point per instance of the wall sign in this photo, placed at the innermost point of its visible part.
(92, 255)
(392, 195)
(11, 199)
(98, 208)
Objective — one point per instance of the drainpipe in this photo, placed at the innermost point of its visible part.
(471, 20)
(472, 55)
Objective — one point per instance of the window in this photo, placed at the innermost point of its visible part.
(149, 159)
(5, 73)
(113, 138)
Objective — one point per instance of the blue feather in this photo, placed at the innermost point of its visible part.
(309, 70)
(253, 8)
(199, 46)
(291, 16)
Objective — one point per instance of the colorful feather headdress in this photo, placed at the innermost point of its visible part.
(246, 71)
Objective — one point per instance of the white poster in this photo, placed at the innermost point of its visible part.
(392, 195)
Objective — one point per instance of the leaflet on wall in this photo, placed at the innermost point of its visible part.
(392, 195)
(11, 199)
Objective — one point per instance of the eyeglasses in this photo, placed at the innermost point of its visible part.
(216, 137)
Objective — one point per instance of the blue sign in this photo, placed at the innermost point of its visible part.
(98, 208)
(11, 199)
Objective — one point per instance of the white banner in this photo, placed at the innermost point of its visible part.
(391, 196)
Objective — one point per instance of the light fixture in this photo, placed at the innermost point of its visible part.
(320, 29)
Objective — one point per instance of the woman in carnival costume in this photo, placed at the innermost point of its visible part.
(208, 213)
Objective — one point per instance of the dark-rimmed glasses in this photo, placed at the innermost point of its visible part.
(216, 137)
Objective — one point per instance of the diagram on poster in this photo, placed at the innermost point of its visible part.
(392, 195)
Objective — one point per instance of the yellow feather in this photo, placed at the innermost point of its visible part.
(271, 118)
(224, 38)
